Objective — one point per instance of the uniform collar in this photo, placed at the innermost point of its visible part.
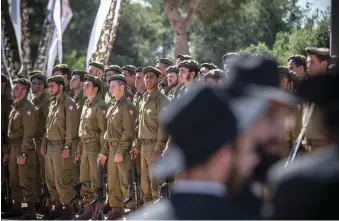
(62, 97)
(20, 103)
(40, 98)
(122, 99)
(154, 94)
(139, 94)
(200, 187)
(94, 101)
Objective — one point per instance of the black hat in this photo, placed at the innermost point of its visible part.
(95, 81)
(118, 77)
(182, 120)
(151, 69)
(56, 79)
(4, 78)
(97, 64)
(209, 66)
(116, 68)
(63, 68)
(166, 61)
(80, 73)
(139, 69)
(130, 68)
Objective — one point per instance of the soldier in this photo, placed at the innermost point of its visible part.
(151, 134)
(214, 77)
(119, 138)
(41, 101)
(96, 68)
(228, 59)
(21, 155)
(182, 57)
(64, 71)
(110, 71)
(77, 84)
(61, 131)
(91, 132)
(129, 73)
(285, 79)
(318, 60)
(206, 67)
(173, 82)
(188, 71)
(297, 64)
(162, 65)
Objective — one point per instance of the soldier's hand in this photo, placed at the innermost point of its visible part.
(66, 153)
(76, 159)
(21, 160)
(134, 153)
(156, 155)
(118, 158)
(101, 159)
(42, 151)
(6, 158)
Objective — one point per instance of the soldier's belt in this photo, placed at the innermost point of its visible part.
(112, 139)
(317, 143)
(56, 143)
(90, 140)
(147, 141)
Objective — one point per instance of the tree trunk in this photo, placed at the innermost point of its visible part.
(25, 42)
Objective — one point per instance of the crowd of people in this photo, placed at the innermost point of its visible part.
(215, 132)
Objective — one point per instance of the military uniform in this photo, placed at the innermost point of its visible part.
(163, 88)
(104, 89)
(79, 100)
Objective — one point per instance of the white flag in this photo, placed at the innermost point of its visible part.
(97, 27)
(15, 14)
(66, 16)
(57, 22)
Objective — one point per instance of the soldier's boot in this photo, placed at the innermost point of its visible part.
(115, 213)
(14, 212)
(87, 214)
(66, 213)
(106, 208)
(55, 213)
(30, 212)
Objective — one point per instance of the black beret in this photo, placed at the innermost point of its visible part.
(80, 73)
(191, 64)
(130, 68)
(22, 81)
(97, 64)
(30, 74)
(139, 69)
(4, 78)
(115, 68)
(209, 66)
(184, 57)
(57, 79)
(215, 74)
(172, 69)
(63, 68)
(151, 69)
(118, 77)
(318, 51)
(165, 61)
(95, 81)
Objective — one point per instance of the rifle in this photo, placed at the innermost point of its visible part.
(134, 193)
(297, 143)
(77, 189)
(100, 194)
(6, 199)
(45, 195)
(165, 189)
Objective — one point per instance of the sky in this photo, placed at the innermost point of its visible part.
(316, 4)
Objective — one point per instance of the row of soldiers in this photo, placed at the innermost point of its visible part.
(98, 117)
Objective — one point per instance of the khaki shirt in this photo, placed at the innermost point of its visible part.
(133, 89)
(293, 125)
(104, 89)
(136, 101)
(80, 101)
(120, 125)
(163, 88)
(62, 121)
(312, 130)
(149, 126)
(41, 105)
(109, 99)
(22, 124)
(173, 93)
(69, 91)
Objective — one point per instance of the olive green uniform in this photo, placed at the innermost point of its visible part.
(173, 93)
(21, 132)
(109, 99)
(80, 101)
(104, 89)
(41, 104)
(61, 130)
(163, 88)
(132, 89)
(293, 129)
(119, 138)
(152, 137)
(5, 109)
(69, 91)
(91, 132)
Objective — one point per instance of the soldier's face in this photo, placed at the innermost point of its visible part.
(151, 80)
(299, 71)
(110, 74)
(17, 91)
(91, 71)
(54, 89)
(75, 82)
(204, 70)
(37, 86)
(139, 81)
(172, 79)
(65, 76)
(162, 69)
(284, 84)
(116, 89)
(129, 78)
(315, 66)
(89, 90)
(184, 75)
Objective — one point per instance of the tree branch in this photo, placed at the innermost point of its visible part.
(194, 4)
(173, 14)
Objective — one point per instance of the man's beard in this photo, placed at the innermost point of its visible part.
(173, 85)
(56, 93)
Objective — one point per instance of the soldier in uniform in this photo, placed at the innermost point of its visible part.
(21, 154)
(206, 67)
(152, 135)
(77, 83)
(214, 77)
(182, 57)
(129, 72)
(91, 132)
(41, 101)
(162, 65)
(188, 71)
(110, 71)
(64, 71)
(119, 138)
(96, 68)
(173, 82)
(61, 131)
(297, 65)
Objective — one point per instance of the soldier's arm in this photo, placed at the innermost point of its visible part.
(29, 126)
(72, 123)
(79, 148)
(104, 147)
(45, 109)
(102, 122)
(162, 135)
(128, 127)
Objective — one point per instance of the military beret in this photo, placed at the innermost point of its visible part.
(22, 81)
(39, 77)
(209, 66)
(230, 55)
(317, 51)
(95, 81)
(30, 74)
(4, 78)
(115, 68)
(215, 74)
(139, 69)
(97, 64)
(63, 68)
(192, 64)
(56, 79)
(118, 77)
(184, 57)
(151, 69)
(129, 68)
(80, 73)
(172, 69)
(165, 61)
